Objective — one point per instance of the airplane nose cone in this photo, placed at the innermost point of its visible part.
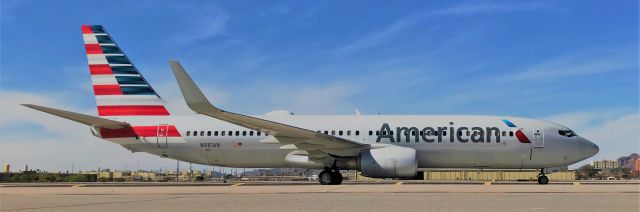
(590, 149)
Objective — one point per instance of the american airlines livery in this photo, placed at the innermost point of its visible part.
(132, 114)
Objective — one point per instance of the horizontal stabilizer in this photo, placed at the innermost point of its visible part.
(81, 118)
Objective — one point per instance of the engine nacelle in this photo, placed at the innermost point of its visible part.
(391, 161)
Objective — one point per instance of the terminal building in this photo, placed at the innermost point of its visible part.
(605, 164)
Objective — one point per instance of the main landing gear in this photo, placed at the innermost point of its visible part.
(542, 178)
(330, 177)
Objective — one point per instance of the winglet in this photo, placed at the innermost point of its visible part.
(194, 98)
(81, 118)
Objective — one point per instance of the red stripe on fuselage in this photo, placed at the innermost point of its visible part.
(93, 48)
(86, 29)
(522, 137)
(107, 90)
(132, 110)
(145, 131)
(100, 69)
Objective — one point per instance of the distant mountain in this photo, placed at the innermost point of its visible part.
(629, 161)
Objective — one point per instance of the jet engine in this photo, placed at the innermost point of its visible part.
(390, 161)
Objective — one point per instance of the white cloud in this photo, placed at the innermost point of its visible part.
(314, 99)
(583, 120)
(480, 7)
(204, 23)
(550, 76)
(383, 35)
(578, 64)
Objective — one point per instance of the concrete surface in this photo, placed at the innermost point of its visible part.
(311, 197)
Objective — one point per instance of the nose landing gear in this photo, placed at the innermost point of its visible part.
(330, 177)
(542, 178)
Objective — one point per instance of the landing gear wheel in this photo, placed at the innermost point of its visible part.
(326, 177)
(330, 177)
(543, 180)
(337, 178)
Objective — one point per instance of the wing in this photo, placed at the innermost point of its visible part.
(314, 143)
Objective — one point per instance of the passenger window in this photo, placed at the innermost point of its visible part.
(237, 133)
(201, 133)
(215, 133)
(459, 133)
(504, 133)
(188, 132)
(370, 132)
(244, 133)
(377, 132)
(348, 132)
(258, 133)
(444, 133)
(222, 133)
(326, 132)
(511, 133)
(251, 133)
(435, 133)
(230, 133)
(340, 132)
(413, 132)
(208, 133)
(357, 132)
(390, 132)
(333, 132)
(384, 132)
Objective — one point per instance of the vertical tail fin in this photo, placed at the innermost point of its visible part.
(119, 87)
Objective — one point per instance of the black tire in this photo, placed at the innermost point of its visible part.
(543, 180)
(337, 178)
(326, 177)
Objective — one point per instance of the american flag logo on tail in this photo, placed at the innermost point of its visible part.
(119, 87)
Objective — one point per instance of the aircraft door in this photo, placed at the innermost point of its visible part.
(538, 137)
(161, 138)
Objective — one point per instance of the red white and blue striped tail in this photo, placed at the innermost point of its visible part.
(119, 87)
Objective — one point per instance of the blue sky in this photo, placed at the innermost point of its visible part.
(576, 64)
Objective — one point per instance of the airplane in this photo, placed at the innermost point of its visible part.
(133, 115)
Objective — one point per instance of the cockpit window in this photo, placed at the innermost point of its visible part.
(566, 133)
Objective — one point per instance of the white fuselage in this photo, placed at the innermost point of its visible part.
(462, 149)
